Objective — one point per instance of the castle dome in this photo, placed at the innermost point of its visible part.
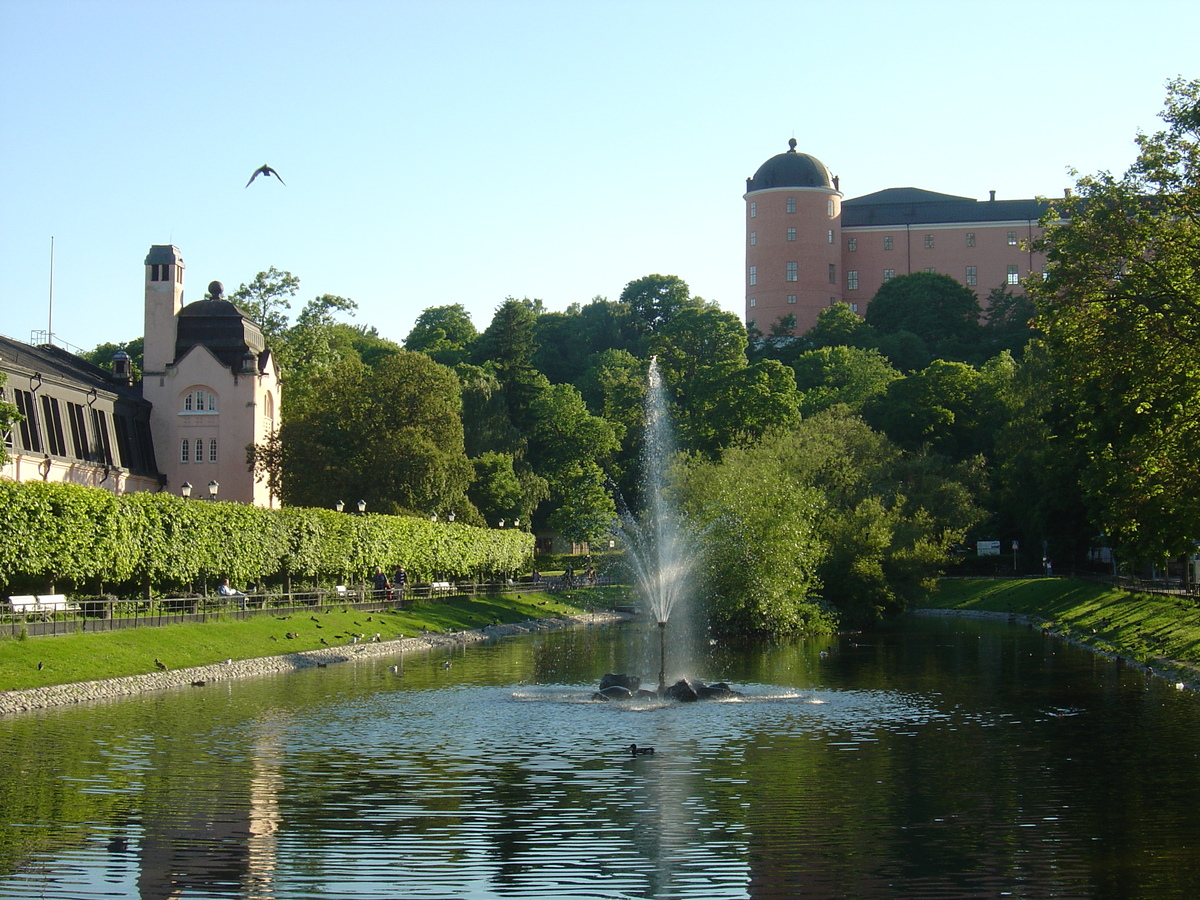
(791, 169)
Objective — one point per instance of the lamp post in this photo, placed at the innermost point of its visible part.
(185, 490)
(340, 505)
(362, 507)
(213, 487)
(450, 516)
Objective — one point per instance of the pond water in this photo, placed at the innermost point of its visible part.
(945, 759)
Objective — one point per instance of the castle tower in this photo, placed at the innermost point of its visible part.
(164, 300)
(793, 240)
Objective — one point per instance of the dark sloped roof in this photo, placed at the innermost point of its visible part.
(221, 327)
(54, 361)
(790, 169)
(914, 206)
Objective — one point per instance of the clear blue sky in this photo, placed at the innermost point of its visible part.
(463, 152)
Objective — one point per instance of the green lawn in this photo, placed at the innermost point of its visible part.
(1147, 627)
(95, 655)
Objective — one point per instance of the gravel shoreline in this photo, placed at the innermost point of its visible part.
(1182, 675)
(80, 692)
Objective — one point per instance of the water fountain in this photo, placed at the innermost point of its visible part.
(661, 551)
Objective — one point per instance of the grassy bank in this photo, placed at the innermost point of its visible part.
(64, 659)
(1150, 628)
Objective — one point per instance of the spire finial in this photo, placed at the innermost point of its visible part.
(792, 145)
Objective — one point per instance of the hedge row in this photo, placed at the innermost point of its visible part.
(83, 535)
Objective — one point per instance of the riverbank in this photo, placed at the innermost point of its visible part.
(16, 701)
(1159, 633)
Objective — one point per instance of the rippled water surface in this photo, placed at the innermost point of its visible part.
(950, 759)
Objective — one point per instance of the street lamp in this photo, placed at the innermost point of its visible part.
(340, 505)
(501, 523)
(185, 490)
(450, 515)
(362, 507)
(213, 487)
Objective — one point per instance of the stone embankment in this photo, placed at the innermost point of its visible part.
(79, 692)
(1182, 675)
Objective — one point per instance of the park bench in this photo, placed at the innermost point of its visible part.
(45, 605)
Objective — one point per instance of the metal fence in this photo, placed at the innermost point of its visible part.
(116, 615)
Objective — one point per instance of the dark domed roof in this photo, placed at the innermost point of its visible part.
(221, 327)
(790, 169)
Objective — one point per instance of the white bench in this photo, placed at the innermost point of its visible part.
(441, 587)
(44, 605)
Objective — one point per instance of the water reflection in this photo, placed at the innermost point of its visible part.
(944, 760)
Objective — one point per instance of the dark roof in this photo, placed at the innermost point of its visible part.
(221, 327)
(160, 254)
(914, 206)
(54, 361)
(790, 169)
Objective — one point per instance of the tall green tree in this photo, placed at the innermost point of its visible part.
(1120, 308)
(266, 300)
(446, 333)
(393, 438)
(654, 299)
(934, 307)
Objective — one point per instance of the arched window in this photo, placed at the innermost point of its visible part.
(199, 400)
(184, 445)
(212, 450)
(269, 406)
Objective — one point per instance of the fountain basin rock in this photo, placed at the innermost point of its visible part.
(627, 687)
(629, 682)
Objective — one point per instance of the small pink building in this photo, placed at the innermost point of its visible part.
(807, 247)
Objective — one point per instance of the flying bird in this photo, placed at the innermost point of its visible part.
(265, 170)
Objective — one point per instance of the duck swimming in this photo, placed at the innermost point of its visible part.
(635, 750)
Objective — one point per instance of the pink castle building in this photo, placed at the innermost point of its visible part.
(808, 248)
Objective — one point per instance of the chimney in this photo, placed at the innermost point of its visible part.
(993, 195)
(122, 369)
(1067, 192)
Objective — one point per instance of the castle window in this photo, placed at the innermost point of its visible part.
(793, 271)
(851, 244)
(852, 280)
(1012, 239)
(791, 204)
(791, 298)
(830, 207)
(791, 234)
(753, 209)
(930, 270)
(753, 238)
(754, 274)
(269, 406)
(831, 235)
(970, 239)
(160, 272)
(833, 274)
(184, 448)
(199, 401)
(929, 241)
(887, 242)
(972, 276)
(1013, 277)
(753, 302)
(888, 274)
(212, 450)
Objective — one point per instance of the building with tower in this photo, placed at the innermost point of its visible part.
(209, 389)
(212, 382)
(808, 248)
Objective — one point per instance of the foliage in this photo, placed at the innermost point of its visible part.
(829, 505)
(102, 354)
(81, 536)
(1123, 276)
(266, 298)
(841, 375)
(394, 439)
(446, 333)
(653, 300)
(935, 307)
(8, 418)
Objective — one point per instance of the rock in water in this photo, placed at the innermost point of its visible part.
(630, 682)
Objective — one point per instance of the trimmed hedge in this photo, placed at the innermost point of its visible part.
(65, 532)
